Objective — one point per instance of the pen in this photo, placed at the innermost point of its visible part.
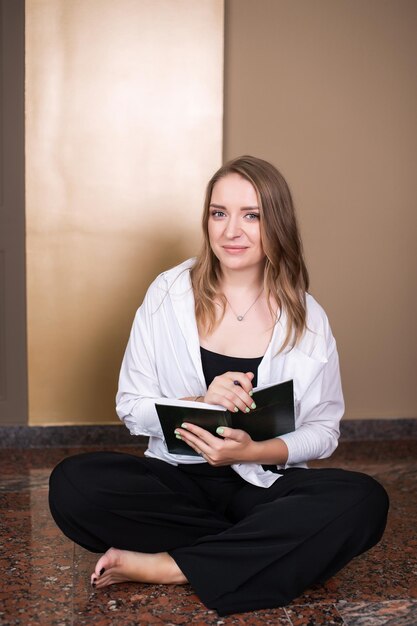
(236, 382)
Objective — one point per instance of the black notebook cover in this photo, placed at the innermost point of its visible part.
(273, 416)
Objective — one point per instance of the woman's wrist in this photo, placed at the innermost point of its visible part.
(269, 452)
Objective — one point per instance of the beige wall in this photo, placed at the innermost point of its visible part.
(327, 91)
(124, 104)
(123, 125)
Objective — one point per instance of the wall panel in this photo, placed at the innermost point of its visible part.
(13, 379)
(3, 363)
(327, 91)
(124, 127)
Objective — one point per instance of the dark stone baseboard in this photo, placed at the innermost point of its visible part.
(62, 436)
(115, 434)
(378, 429)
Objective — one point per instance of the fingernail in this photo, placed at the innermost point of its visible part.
(93, 582)
(102, 571)
(251, 392)
(236, 409)
(253, 405)
(184, 426)
(247, 409)
(176, 432)
(220, 430)
(178, 436)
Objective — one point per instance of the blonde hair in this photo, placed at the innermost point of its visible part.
(285, 275)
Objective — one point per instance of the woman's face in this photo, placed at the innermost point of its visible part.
(233, 224)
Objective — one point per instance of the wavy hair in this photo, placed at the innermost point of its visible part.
(285, 274)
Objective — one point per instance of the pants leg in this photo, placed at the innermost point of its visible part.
(241, 547)
(300, 531)
(106, 499)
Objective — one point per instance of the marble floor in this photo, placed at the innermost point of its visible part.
(44, 577)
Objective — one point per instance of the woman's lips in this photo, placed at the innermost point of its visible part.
(234, 249)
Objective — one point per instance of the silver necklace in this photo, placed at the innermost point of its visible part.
(240, 318)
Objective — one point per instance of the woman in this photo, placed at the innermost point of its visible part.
(245, 523)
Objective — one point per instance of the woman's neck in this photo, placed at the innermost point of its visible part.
(247, 280)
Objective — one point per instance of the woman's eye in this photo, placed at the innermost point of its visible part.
(252, 216)
(217, 213)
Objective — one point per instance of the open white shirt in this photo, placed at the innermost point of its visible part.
(162, 361)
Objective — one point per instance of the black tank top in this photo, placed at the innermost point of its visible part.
(215, 364)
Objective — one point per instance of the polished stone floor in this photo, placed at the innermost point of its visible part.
(44, 578)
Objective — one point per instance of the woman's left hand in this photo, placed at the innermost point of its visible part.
(234, 446)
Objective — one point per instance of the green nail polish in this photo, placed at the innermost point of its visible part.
(184, 426)
(251, 392)
(178, 436)
(253, 405)
(220, 430)
(236, 409)
(247, 409)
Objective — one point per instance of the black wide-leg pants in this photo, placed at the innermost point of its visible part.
(241, 547)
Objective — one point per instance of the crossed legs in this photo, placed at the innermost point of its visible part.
(241, 547)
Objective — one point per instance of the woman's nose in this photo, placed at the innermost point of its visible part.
(233, 228)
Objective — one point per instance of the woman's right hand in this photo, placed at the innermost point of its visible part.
(232, 390)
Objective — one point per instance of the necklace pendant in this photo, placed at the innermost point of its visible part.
(240, 318)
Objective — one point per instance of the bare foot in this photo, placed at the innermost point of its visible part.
(122, 565)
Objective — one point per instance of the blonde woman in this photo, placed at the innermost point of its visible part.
(245, 523)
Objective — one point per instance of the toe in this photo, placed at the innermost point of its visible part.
(103, 563)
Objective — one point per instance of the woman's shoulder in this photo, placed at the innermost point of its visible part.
(169, 285)
(316, 315)
(173, 279)
(174, 282)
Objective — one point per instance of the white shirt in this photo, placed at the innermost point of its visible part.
(162, 361)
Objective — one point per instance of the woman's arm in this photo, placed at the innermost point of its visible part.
(321, 409)
(316, 434)
(139, 387)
